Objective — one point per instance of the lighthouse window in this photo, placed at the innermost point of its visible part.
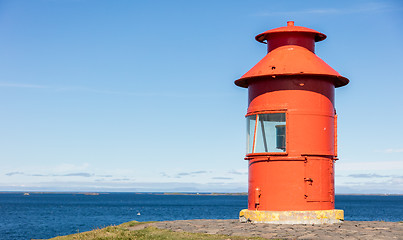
(250, 126)
(266, 133)
(280, 135)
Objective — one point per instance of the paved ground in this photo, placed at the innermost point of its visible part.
(345, 230)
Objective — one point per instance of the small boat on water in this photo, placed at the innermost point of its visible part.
(26, 194)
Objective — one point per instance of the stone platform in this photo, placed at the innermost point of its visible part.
(292, 217)
(345, 230)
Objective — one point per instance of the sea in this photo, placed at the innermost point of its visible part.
(47, 215)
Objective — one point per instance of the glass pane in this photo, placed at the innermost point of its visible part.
(270, 133)
(280, 133)
(250, 130)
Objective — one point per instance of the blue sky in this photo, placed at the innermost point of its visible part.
(139, 95)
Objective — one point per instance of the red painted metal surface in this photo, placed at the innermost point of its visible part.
(293, 81)
(291, 35)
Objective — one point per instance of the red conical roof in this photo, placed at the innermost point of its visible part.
(291, 52)
(291, 60)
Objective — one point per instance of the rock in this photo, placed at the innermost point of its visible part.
(345, 230)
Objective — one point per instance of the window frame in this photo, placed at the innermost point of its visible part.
(253, 153)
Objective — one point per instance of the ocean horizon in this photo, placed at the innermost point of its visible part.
(26, 215)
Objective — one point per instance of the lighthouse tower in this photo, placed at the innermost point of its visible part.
(291, 131)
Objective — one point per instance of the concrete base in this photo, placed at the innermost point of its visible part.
(292, 217)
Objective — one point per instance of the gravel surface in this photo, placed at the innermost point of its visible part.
(345, 230)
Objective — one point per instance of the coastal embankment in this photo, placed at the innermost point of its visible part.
(344, 230)
(215, 229)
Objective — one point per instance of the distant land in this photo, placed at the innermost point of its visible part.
(181, 193)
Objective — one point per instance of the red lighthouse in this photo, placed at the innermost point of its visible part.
(291, 130)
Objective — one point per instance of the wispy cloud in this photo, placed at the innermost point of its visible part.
(371, 175)
(198, 172)
(190, 173)
(21, 85)
(164, 174)
(62, 88)
(125, 186)
(387, 185)
(112, 92)
(300, 12)
(369, 166)
(364, 8)
(203, 174)
(120, 179)
(394, 150)
(14, 173)
(238, 172)
(105, 176)
(370, 183)
(222, 178)
(91, 90)
(76, 175)
(183, 174)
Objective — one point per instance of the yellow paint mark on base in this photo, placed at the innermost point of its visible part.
(292, 217)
